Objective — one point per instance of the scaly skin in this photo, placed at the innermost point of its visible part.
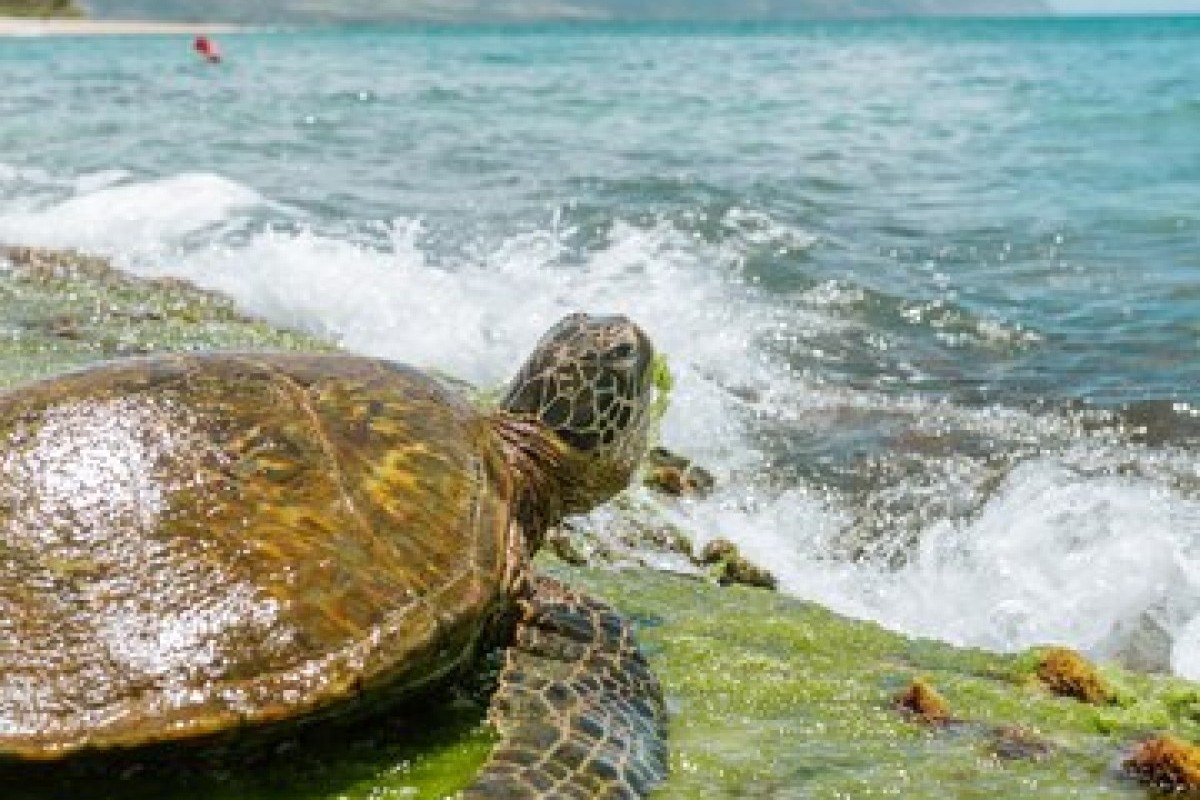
(579, 713)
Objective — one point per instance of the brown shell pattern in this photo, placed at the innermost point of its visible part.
(193, 543)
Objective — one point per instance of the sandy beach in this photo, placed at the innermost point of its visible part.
(22, 26)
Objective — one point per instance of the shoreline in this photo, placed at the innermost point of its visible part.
(32, 27)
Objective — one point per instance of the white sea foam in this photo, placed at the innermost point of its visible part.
(107, 216)
(1057, 553)
(1106, 564)
(471, 316)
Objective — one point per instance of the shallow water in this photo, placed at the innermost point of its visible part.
(930, 291)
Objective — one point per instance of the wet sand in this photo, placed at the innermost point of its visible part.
(20, 26)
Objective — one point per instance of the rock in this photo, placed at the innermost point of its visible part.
(660, 537)
(64, 327)
(1068, 674)
(741, 571)
(59, 310)
(1167, 763)
(674, 475)
(718, 550)
(921, 703)
(1019, 743)
(732, 568)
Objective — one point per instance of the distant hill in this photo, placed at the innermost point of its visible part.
(39, 8)
(301, 11)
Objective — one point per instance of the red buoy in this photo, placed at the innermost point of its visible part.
(207, 49)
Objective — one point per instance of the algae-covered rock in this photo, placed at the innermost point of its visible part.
(773, 697)
(675, 475)
(731, 567)
(630, 530)
(1013, 742)
(1166, 763)
(770, 697)
(61, 310)
(718, 550)
(922, 703)
(1066, 673)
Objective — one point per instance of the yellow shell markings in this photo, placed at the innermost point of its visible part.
(178, 556)
(416, 462)
(449, 537)
(309, 448)
(337, 408)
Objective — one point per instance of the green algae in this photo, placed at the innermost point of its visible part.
(664, 384)
(64, 310)
(773, 697)
(420, 753)
(770, 697)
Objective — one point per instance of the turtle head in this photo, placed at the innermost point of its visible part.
(590, 382)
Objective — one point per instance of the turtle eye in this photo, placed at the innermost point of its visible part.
(621, 351)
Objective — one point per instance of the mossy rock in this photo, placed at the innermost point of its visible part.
(922, 703)
(1168, 764)
(675, 475)
(1066, 673)
(781, 695)
(770, 697)
(729, 566)
(60, 310)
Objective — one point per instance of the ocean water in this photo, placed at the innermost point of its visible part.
(931, 291)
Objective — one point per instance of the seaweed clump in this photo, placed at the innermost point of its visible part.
(1166, 763)
(920, 702)
(1068, 674)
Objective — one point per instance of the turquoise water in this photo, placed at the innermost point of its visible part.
(931, 290)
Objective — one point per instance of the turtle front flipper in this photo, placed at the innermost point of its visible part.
(578, 711)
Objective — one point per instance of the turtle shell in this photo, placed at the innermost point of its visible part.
(190, 544)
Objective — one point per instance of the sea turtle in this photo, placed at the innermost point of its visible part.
(197, 544)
